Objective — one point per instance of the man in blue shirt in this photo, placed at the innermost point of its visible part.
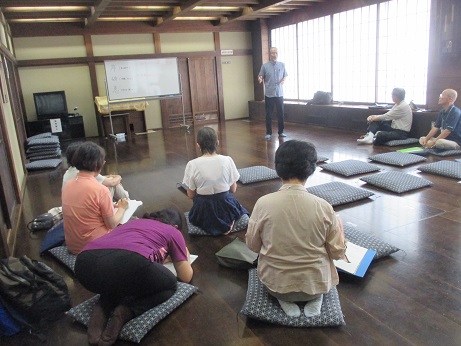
(448, 122)
(273, 74)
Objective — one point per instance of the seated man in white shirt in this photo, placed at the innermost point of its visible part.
(111, 181)
(393, 125)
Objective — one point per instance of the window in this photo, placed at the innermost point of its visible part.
(373, 49)
(285, 40)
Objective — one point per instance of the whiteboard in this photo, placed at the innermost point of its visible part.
(142, 78)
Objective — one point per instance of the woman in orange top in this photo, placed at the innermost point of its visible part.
(87, 208)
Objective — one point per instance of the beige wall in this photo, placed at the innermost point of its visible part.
(187, 42)
(237, 75)
(75, 79)
(28, 48)
(107, 45)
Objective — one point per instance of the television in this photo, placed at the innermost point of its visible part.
(51, 104)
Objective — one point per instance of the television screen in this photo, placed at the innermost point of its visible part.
(50, 104)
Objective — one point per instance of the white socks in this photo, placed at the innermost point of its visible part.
(312, 307)
(291, 309)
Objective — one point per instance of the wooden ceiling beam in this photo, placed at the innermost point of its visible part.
(250, 11)
(96, 12)
(179, 10)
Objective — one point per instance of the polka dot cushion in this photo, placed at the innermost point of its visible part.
(256, 173)
(40, 135)
(138, 327)
(397, 159)
(444, 153)
(322, 159)
(62, 254)
(397, 142)
(451, 169)
(260, 305)
(43, 164)
(43, 140)
(240, 225)
(398, 182)
(350, 167)
(337, 193)
(368, 241)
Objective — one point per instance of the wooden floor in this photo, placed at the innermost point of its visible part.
(410, 298)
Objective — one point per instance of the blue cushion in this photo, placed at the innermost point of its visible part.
(62, 254)
(451, 169)
(43, 140)
(397, 142)
(337, 193)
(260, 305)
(138, 327)
(53, 238)
(397, 159)
(350, 167)
(443, 153)
(43, 164)
(322, 159)
(368, 241)
(256, 173)
(398, 182)
(240, 225)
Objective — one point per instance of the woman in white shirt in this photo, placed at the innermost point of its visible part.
(212, 181)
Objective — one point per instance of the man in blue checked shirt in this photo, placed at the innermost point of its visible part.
(273, 74)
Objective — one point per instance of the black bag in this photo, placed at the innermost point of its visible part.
(33, 291)
(321, 98)
(237, 255)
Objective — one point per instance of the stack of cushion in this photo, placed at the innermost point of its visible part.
(43, 151)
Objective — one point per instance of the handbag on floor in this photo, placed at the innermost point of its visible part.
(237, 255)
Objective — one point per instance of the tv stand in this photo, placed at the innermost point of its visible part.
(72, 127)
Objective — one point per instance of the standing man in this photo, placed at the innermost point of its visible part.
(395, 124)
(273, 74)
(448, 122)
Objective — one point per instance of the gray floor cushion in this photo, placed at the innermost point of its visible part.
(256, 173)
(43, 164)
(397, 142)
(350, 167)
(451, 169)
(444, 153)
(398, 182)
(240, 225)
(138, 327)
(40, 135)
(337, 193)
(368, 241)
(322, 159)
(43, 140)
(397, 159)
(262, 306)
(62, 254)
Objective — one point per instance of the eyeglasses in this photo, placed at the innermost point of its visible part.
(441, 96)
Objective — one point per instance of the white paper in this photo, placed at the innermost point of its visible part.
(132, 206)
(355, 254)
(55, 125)
(170, 265)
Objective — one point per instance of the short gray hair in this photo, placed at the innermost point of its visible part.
(399, 92)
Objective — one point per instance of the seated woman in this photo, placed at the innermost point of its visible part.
(112, 181)
(212, 181)
(126, 267)
(87, 208)
(296, 234)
